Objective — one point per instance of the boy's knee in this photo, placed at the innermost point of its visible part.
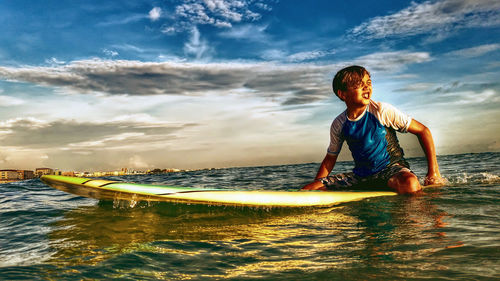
(412, 183)
(405, 183)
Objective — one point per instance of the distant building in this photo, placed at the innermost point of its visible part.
(68, 174)
(43, 171)
(25, 174)
(8, 175)
(172, 170)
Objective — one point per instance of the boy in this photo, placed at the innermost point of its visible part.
(369, 129)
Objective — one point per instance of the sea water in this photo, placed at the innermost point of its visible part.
(448, 233)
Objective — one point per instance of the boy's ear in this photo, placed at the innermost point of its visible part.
(341, 94)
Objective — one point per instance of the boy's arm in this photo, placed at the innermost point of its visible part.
(425, 138)
(326, 166)
(324, 170)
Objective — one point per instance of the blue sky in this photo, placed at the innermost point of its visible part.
(101, 85)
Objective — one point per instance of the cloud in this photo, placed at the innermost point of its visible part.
(155, 14)
(54, 61)
(248, 32)
(218, 13)
(474, 51)
(129, 48)
(280, 55)
(488, 97)
(457, 86)
(31, 133)
(309, 55)
(197, 46)
(294, 85)
(110, 53)
(137, 162)
(10, 101)
(485, 94)
(416, 87)
(439, 18)
(392, 61)
(121, 20)
(274, 55)
(307, 96)
(4, 159)
(134, 78)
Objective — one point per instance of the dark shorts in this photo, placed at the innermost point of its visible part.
(352, 181)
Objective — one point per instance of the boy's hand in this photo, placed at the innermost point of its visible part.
(435, 179)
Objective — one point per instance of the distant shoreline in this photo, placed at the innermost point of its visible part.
(9, 181)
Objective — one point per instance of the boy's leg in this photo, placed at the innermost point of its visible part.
(334, 182)
(402, 179)
(404, 183)
(397, 177)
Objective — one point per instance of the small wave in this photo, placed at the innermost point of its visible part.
(478, 178)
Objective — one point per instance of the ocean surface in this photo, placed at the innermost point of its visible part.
(448, 233)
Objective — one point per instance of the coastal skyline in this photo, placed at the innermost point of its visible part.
(98, 85)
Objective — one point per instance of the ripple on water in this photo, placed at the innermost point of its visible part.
(448, 233)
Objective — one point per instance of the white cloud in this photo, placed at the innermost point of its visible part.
(71, 135)
(111, 142)
(457, 93)
(392, 61)
(54, 61)
(129, 47)
(263, 6)
(247, 32)
(218, 13)
(226, 9)
(121, 20)
(155, 14)
(138, 162)
(23, 122)
(475, 51)
(170, 30)
(274, 54)
(280, 55)
(405, 76)
(10, 101)
(467, 98)
(416, 87)
(439, 18)
(110, 53)
(309, 55)
(197, 46)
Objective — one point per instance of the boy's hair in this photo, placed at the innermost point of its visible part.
(348, 78)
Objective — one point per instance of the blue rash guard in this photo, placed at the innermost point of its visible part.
(371, 137)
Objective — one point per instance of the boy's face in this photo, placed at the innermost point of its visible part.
(359, 95)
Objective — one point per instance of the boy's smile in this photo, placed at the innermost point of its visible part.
(360, 95)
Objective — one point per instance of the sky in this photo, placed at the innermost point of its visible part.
(103, 85)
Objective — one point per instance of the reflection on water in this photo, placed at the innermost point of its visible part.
(226, 242)
(448, 233)
(116, 230)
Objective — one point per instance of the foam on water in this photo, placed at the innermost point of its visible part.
(474, 178)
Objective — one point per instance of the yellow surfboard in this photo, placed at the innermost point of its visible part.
(115, 190)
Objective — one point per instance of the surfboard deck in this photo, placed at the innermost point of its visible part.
(116, 190)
